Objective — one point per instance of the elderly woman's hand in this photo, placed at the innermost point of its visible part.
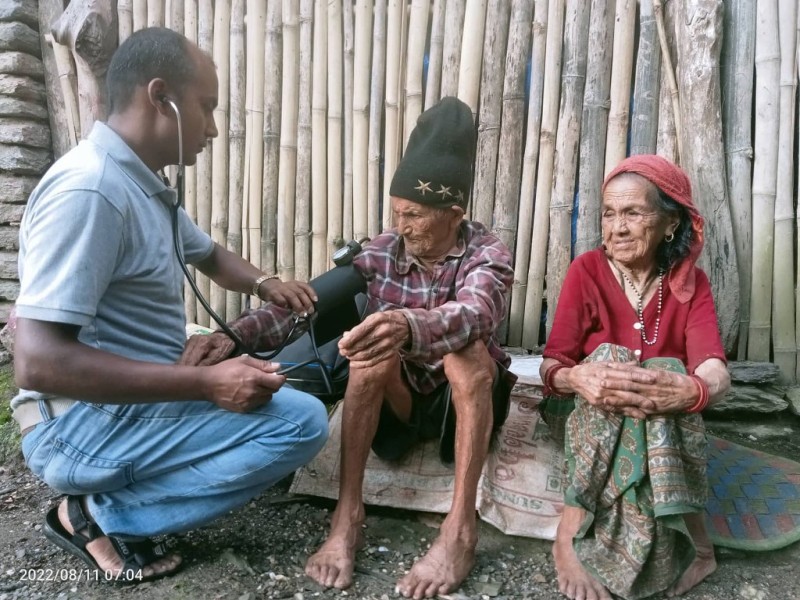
(614, 387)
(667, 392)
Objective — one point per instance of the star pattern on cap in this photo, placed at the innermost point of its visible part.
(460, 196)
(424, 186)
(444, 192)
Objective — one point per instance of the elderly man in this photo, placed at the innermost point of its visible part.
(425, 363)
(141, 446)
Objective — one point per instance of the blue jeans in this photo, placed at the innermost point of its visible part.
(151, 469)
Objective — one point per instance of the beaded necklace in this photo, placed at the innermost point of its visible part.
(640, 306)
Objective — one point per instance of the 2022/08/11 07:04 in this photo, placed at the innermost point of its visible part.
(76, 575)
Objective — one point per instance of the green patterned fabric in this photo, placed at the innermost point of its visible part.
(636, 478)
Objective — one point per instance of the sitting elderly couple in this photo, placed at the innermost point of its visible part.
(148, 435)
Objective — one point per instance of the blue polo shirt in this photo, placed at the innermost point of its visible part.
(96, 251)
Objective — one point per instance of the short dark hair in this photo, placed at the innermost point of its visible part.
(150, 53)
(669, 254)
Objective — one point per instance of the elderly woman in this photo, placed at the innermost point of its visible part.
(635, 349)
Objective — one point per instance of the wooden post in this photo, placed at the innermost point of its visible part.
(335, 93)
(670, 139)
(621, 69)
(393, 122)
(347, 118)
(435, 54)
(190, 178)
(417, 33)
(267, 56)
(155, 13)
(125, 19)
(302, 214)
(362, 72)
(644, 121)
(140, 14)
(451, 50)
(319, 164)
(469, 72)
(377, 88)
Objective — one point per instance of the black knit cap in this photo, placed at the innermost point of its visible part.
(436, 168)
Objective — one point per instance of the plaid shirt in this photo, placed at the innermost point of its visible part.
(462, 300)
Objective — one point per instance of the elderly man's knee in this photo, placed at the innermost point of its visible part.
(470, 369)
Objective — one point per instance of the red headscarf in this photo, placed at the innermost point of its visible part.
(671, 180)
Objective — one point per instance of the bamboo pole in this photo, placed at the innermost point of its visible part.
(175, 15)
(155, 13)
(784, 346)
(190, 176)
(435, 54)
(469, 71)
(491, 106)
(68, 84)
(287, 172)
(530, 160)
(319, 166)
(302, 215)
(738, 54)
(797, 292)
(394, 125)
(576, 44)
(659, 9)
(125, 19)
(621, 69)
(594, 124)
(335, 92)
(767, 130)
(140, 14)
(376, 96)
(704, 156)
(220, 146)
(509, 167)
(451, 51)
(267, 73)
(348, 29)
(205, 21)
(544, 183)
(361, 113)
(236, 139)
(417, 33)
(644, 120)
(667, 144)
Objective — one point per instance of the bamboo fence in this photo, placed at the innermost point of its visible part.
(317, 100)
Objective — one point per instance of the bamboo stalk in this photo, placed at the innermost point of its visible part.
(621, 69)
(347, 117)
(491, 106)
(417, 33)
(361, 114)
(287, 173)
(394, 125)
(703, 159)
(544, 183)
(667, 143)
(784, 346)
(594, 124)
(738, 54)
(335, 93)
(236, 139)
(302, 215)
(376, 96)
(435, 54)
(190, 177)
(124, 19)
(205, 41)
(451, 51)
(68, 84)
(530, 160)
(155, 13)
(140, 14)
(175, 15)
(644, 120)
(669, 71)
(319, 109)
(576, 44)
(267, 92)
(219, 147)
(797, 292)
(469, 69)
(509, 167)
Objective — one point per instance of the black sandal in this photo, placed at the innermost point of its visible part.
(135, 555)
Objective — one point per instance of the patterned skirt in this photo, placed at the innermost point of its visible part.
(635, 478)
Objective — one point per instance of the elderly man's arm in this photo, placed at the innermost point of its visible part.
(475, 314)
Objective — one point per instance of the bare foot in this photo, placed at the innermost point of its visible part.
(573, 580)
(106, 556)
(442, 569)
(703, 565)
(333, 564)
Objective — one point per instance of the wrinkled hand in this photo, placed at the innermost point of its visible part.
(296, 295)
(204, 350)
(377, 338)
(669, 392)
(614, 387)
(242, 384)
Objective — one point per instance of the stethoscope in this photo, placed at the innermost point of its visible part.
(297, 320)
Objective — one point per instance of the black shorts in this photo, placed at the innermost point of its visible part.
(432, 416)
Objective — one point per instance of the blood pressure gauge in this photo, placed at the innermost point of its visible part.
(344, 255)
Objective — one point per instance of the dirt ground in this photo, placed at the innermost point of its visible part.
(260, 550)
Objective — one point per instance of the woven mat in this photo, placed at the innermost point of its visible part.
(754, 498)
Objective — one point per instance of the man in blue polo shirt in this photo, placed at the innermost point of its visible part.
(140, 445)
